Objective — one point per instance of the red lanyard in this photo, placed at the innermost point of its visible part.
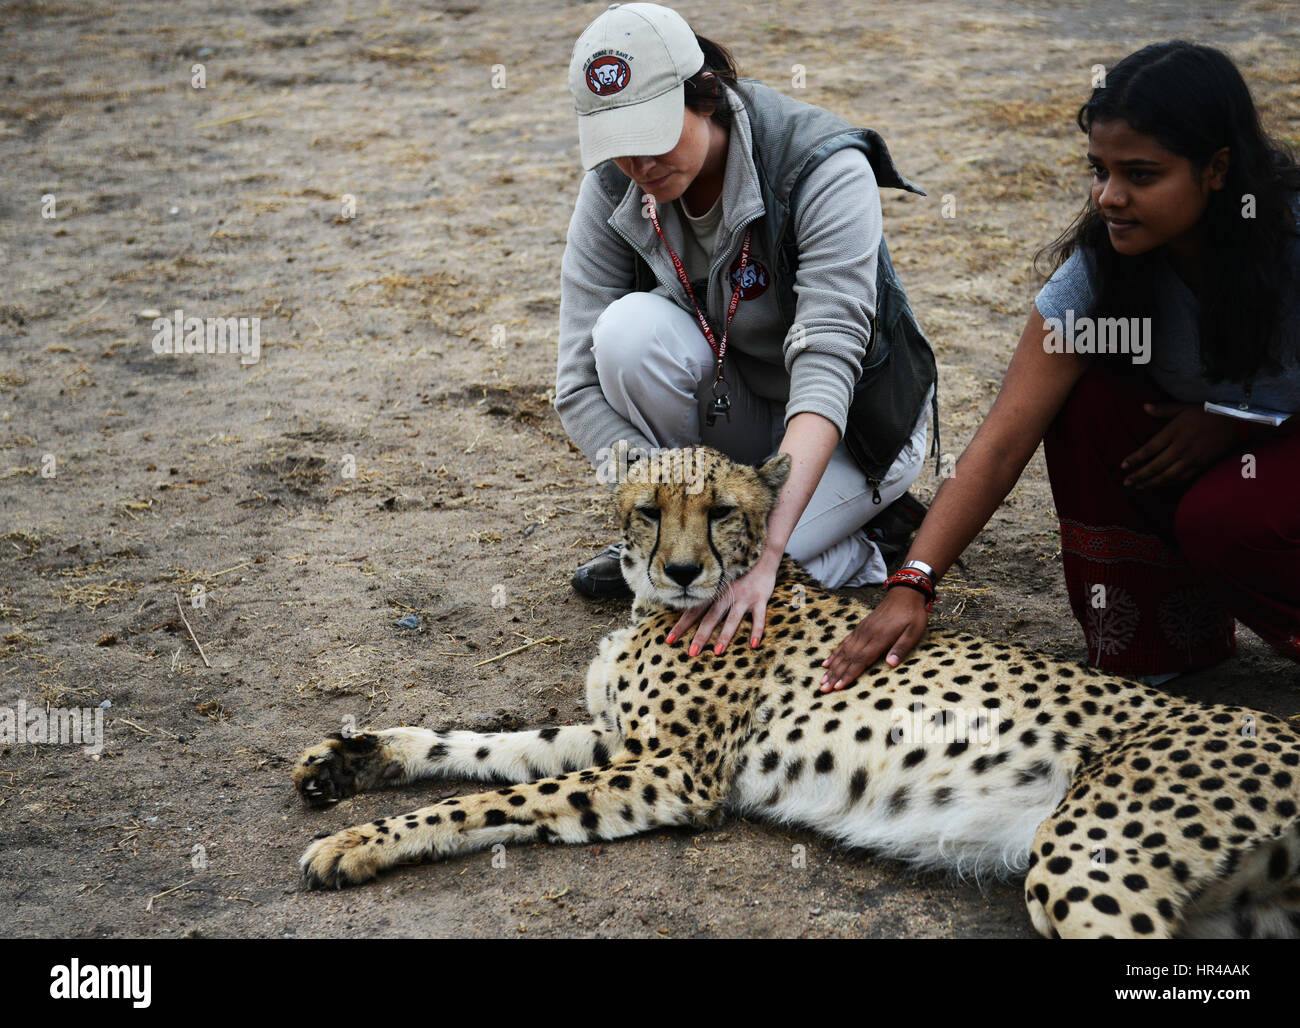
(719, 348)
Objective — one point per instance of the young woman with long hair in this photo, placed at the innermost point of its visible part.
(1176, 518)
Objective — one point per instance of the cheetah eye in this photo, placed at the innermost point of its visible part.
(720, 511)
(649, 513)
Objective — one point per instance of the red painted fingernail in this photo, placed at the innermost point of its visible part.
(671, 638)
(695, 650)
(717, 650)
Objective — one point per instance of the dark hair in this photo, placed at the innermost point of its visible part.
(1193, 101)
(704, 92)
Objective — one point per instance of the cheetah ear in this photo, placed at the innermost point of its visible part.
(775, 472)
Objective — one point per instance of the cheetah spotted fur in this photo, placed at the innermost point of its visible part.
(1134, 813)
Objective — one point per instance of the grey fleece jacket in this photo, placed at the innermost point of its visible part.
(811, 365)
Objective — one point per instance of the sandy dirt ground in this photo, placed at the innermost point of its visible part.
(394, 451)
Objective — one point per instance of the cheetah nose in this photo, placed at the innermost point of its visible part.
(683, 574)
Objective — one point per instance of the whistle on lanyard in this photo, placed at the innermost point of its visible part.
(721, 404)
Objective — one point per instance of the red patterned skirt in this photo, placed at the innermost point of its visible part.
(1156, 577)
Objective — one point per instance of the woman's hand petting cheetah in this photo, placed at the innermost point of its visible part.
(894, 627)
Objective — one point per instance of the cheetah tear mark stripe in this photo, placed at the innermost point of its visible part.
(722, 564)
(650, 560)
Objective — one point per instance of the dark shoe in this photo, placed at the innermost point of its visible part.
(602, 576)
(892, 529)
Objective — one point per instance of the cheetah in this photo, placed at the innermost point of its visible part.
(1132, 813)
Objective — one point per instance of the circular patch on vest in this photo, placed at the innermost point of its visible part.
(756, 279)
(608, 75)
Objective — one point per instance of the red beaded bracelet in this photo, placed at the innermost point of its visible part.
(913, 579)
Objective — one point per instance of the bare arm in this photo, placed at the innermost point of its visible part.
(810, 439)
(1034, 390)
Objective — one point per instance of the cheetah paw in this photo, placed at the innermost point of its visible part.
(349, 857)
(342, 766)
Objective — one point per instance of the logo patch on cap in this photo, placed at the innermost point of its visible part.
(755, 281)
(607, 75)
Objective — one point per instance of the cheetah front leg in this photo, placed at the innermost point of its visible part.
(609, 803)
(342, 766)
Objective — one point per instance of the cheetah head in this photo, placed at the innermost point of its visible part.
(693, 521)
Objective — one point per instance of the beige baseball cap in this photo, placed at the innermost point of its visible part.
(626, 79)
